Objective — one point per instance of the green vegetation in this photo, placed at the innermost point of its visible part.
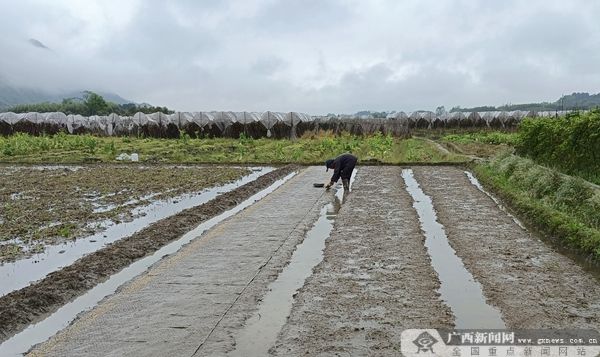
(422, 151)
(310, 149)
(483, 143)
(570, 143)
(90, 104)
(486, 137)
(562, 206)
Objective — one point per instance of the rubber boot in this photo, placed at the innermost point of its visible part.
(346, 184)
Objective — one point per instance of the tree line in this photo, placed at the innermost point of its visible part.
(91, 104)
(574, 101)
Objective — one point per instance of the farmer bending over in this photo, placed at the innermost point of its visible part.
(342, 166)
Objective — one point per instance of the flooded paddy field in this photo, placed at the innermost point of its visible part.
(288, 269)
(49, 205)
(34, 286)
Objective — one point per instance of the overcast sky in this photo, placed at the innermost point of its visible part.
(314, 56)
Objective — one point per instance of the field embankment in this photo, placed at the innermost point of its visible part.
(561, 206)
(547, 171)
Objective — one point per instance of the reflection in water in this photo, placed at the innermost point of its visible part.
(260, 331)
(19, 274)
(41, 331)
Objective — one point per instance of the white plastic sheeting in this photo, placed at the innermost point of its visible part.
(114, 124)
(55, 118)
(158, 119)
(9, 118)
(75, 122)
(126, 125)
(246, 118)
(181, 119)
(140, 119)
(223, 119)
(33, 117)
(202, 119)
(268, 119)
(293, 118)
(458, 116)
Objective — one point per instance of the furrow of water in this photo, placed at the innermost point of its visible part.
(260, 331)
(21, 273)
(40, 332)
(458, 288)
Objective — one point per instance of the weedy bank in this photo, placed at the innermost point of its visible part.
(310, 149)
(564, 207)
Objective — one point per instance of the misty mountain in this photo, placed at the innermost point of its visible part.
(11, 95)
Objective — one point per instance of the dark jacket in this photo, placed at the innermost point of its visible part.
(344, 165)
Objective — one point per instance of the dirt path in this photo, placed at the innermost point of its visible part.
(534, 286)
(375, 279)
(175, 307)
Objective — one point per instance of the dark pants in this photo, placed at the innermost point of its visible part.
(347, 174)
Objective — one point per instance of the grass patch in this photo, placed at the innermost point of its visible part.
(414, 150)
(485, 137)
(481, 144)
(562, 206)
(310, 149)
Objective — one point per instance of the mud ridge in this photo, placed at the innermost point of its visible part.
(34, 302)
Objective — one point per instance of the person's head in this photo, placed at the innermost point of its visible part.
(330, 164)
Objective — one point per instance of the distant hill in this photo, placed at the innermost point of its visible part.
(574, 101)
(11, 96)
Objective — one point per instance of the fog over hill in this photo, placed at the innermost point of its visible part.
(11, 95)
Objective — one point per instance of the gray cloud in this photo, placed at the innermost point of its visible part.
(313, 56)
(37, 43)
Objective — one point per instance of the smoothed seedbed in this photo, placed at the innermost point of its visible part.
(18, 274)
(375, 279)
(533, 285)
(175, 306)
(34, 302)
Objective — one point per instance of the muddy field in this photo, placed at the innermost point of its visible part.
(357, 301)
(303, 271)
(32, 303)
(533, 285)
(52, 204)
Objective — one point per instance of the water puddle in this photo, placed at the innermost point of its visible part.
(19, 274)
(459, 290)
(47, 167)
(260, 331)
(476, 183)
(43, 330)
